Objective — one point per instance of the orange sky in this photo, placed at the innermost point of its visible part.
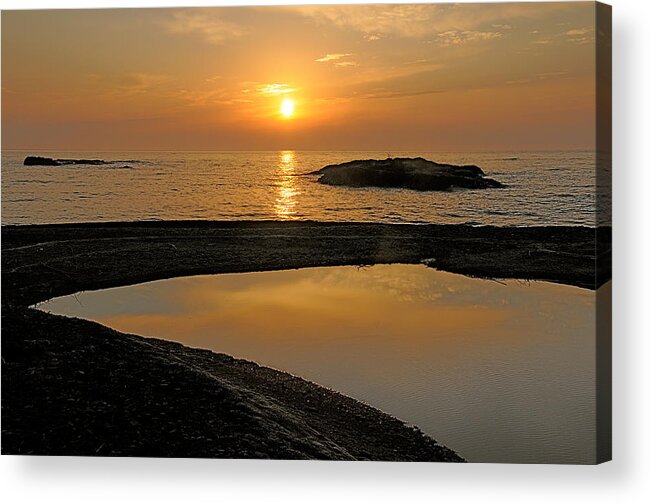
(387, 77)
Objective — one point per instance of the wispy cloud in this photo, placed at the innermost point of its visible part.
(206, 23)
(346, 64)
(332, 57)
(130, 84)
(338, 59)
(206, 98)
(549, 75)
(577, 32)
(574, 35)
(539, 77)
(580, 35)
(379, 94)
(376, 94)
(274, 89)
(453, 37)
(419, 20)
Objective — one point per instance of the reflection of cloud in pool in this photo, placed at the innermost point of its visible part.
(499, 372)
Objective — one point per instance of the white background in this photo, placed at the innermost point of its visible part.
(626, 479)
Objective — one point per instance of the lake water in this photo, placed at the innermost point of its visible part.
(500, 372)
(544, 188)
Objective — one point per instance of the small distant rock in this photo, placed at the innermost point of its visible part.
(409, 173)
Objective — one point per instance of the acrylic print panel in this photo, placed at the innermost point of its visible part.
(352, 232)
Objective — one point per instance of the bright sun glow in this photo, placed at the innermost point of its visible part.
(287, 107)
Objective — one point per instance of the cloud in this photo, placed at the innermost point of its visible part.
(409, 82)
(379, 94)
(539, 77)
(518, 81)
(206, 23)
(206, 98)
(580, 35)
(502, 26)
(452, 38)
(273, 89)
(548, 75)
(332, 57)
(130, 84)
(575, 35)
(577, 32)
(420, 20)
(336, 58)
(346, 63)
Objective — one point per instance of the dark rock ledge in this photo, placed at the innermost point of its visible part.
(71, 387)
(45, 161)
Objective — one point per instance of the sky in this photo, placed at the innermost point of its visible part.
(441, 77)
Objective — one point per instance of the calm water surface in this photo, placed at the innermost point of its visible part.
(498, 372)
(544, 188)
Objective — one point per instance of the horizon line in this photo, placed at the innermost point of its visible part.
(572, 149)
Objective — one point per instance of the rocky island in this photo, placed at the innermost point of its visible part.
(46, 161)
(408, 173)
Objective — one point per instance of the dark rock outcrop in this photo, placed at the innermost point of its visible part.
(44, 161)
(40, 161)
(409, 173)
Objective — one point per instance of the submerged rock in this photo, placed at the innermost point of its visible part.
(409, 173)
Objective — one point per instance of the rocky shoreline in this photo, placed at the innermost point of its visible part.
(72, 387)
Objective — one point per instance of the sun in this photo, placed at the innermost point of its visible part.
(287, 108)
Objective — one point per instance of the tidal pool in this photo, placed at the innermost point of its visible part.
(497, 371)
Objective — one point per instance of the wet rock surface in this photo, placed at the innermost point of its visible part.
(72, 387)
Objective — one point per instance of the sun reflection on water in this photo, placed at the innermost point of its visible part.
(285, 206)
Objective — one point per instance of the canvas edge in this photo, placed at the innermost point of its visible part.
(603, 305)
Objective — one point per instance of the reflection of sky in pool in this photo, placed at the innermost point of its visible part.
(498, 372)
